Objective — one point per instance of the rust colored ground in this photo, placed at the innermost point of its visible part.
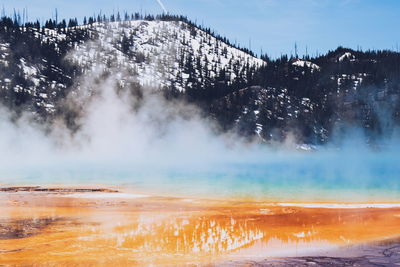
(65, 229)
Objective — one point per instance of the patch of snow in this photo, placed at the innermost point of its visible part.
(303, 63)
(346, 55)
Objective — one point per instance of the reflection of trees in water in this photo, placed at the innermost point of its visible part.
(203, 235)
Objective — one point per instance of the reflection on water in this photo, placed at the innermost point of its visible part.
(67, 231)
(201, 236)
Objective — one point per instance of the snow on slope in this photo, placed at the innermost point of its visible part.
(346, 55)
(304, 63)
(154, 54)
(23, 77)
(159, 51)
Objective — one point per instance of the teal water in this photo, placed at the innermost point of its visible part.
(316, 176)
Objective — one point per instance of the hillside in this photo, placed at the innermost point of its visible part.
(309, 99)
(40, 66)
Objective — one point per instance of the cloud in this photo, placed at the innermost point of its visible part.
(162, 6)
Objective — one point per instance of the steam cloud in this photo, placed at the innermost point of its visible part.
(167, 146)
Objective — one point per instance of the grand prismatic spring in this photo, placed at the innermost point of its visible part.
(134, 138)
(185, 219)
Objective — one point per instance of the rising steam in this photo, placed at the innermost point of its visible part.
(143, 141)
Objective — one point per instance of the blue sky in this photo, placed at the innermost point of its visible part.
(271, 25)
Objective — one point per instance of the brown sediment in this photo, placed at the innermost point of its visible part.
(13, 229)
(63, 229)
(8, 251)
(382, 253)
(55, 190)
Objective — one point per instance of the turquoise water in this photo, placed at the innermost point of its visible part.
(316, 176)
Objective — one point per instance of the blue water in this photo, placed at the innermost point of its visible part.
(316, 176)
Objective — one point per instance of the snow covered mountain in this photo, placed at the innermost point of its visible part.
(310, 98)
(160, 53)
(170, 55)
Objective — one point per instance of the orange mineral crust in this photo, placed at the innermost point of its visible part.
(86, 228)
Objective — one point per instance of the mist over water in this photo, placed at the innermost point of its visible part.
(163, 147)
